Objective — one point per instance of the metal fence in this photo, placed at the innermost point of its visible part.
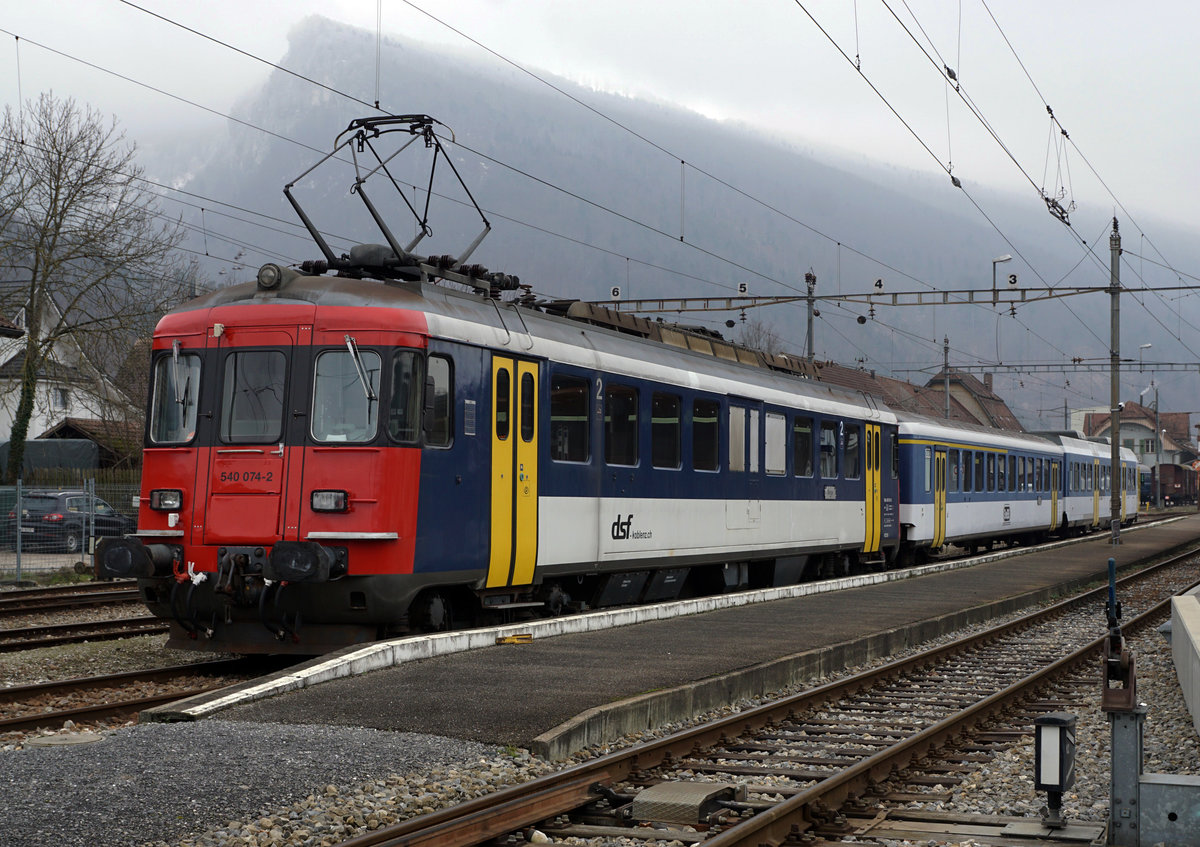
(49, 528)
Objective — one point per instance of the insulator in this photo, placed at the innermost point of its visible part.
(314, 266)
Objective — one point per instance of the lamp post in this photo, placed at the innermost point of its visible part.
(997, 261)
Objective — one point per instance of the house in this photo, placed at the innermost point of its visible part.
(119, 441)
(1138, 433)
(69, 386)
(970, 400)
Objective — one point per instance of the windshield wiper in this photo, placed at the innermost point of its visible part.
(352, 346)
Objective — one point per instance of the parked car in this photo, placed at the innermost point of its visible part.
(59, 520)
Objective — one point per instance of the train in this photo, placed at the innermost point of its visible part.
(332, 459)
(1178, 486)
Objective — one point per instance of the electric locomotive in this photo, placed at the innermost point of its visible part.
(330, 460)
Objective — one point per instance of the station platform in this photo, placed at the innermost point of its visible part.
(570, 685)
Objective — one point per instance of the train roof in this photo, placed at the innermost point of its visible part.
(569, 332)
(942, 429)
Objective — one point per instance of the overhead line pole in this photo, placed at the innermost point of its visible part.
(1114, 244)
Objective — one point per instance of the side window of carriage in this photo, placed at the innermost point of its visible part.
(666, 432)
(570, 429)
(802, 446)
(438, 412)
(706, 436)
(407, 396)
(829, 454)
(620, 425)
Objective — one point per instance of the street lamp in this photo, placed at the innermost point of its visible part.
(997, 261)
(1142, 347)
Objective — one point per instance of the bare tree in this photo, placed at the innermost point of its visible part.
(760, 336)
(82, 234)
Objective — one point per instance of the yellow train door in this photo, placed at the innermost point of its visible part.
(873, 492)
(1054, 471)
(939, 497)
(514, 513)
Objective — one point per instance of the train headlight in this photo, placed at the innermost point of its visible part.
(330, 501)
(166, 499)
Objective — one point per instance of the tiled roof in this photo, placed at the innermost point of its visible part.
(927, 400)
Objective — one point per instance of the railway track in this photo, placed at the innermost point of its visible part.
(830, 761)
(98, 698)
(52, 635)
(36, 600)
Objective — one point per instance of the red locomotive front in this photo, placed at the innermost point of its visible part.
(281, 470)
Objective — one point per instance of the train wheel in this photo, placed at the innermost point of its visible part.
(430, 613)
(556, 600)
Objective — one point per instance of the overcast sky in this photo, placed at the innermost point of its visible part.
(1121, 77)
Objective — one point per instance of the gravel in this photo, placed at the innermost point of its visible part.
(1004, 786)
(163, 781)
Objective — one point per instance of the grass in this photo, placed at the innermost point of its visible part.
(57, 576)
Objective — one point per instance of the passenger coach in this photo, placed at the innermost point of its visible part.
(970, 485)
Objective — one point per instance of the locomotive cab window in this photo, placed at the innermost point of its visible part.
(176, 393)
(439, 402)
(664, 430)
(345, 409)
(620, 425)
(252, 397)
(569, 430)
(705, 435)
(404, 410)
